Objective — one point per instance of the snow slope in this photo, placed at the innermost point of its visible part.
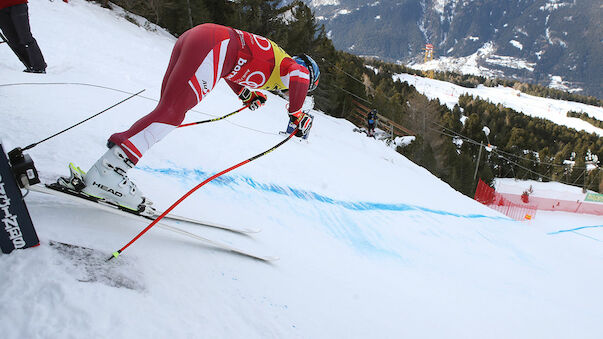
(551, 109)
(370, 245)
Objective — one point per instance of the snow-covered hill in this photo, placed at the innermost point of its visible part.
(370, 245)
(550, 109)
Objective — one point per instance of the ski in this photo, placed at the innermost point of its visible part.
(200, 222)
(221, 245)
(119, 210)
(174, 217)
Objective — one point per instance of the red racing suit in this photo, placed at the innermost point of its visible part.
(201, 57)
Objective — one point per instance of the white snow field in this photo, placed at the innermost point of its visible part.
(538, 107)
(370, 245)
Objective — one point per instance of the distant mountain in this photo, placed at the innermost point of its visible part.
(551, 42)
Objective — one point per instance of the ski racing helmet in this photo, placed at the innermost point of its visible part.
(312, 67)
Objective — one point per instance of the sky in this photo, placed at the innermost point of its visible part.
(370, 245)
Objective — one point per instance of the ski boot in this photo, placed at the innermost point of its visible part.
(108, 181)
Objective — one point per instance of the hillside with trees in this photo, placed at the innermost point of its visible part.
(533, 41)
(523, 147)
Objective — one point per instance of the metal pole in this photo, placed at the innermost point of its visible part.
(83, 121)
(5, 40)
(190, 17)
(478, 158)
(425, 137)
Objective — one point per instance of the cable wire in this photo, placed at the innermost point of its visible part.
(127, 92)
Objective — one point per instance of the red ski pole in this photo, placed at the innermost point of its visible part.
(154, 222)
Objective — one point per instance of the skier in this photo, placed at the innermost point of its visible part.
(202, 56)
(371, 121)
(14, 22)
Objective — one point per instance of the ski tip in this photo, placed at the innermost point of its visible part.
(251, 230)
(261, 258)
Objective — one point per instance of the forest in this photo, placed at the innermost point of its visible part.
(451, 144)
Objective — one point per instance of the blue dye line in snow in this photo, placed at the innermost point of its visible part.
(574, 229)
(199, 175)
(586, 236)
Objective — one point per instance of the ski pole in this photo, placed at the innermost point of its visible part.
(5, 40)
(154, 222)
(81, 122)
(214, 119)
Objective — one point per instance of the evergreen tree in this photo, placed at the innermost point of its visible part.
(524, 147)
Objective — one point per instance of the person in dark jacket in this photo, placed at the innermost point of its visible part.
(371, 121)
(14, 23)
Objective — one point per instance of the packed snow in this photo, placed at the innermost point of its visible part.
(318, 3)
(551, 190)
(539, 107)
(474, 63)
(464, 65)
(370, 245)
(553, 5)
(517, 44)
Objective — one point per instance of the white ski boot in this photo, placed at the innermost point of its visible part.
(107, 179)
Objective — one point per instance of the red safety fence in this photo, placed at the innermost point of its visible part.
(555, 204)
(489, 197)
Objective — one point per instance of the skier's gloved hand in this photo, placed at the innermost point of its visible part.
(253, 99)
(302, 121)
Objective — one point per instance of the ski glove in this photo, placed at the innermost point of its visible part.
(252, 99)
(302, 121)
